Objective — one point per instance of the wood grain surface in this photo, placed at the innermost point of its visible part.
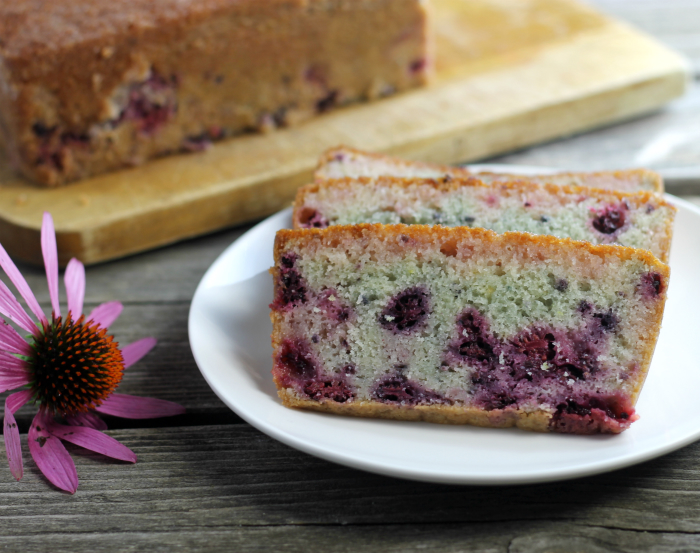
(554, 67)
(206, 481)
(229, 488)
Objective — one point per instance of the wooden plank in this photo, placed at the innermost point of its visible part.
(667, 141)
(565, 69)
(218, 487)
(167, 275)
(442, 538)
(674, 22)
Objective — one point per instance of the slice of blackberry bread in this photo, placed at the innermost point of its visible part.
(640, 220)
(464, 326)
(348, 162)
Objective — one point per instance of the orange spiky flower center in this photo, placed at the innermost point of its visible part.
(75, 365)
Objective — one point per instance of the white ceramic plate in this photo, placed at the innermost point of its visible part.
(230, 330)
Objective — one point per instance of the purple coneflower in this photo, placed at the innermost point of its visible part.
(69, 366)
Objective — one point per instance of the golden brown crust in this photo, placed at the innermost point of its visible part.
(537, 421)
(61, 64)
(654, 181)
(544, 245)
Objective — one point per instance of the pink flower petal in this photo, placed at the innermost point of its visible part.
(51, 456)
(11, 363)
(13, 380)
(14, 401)
(11, 308)
(75, 287)
(92, 439)
(8, 370)
(48, 248)
(11, 341)
(89, 419)
(133, 407)
(21, 284)
(135, 352)
(106, 313)
(13, 446)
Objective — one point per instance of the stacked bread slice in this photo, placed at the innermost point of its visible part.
(419, 292)
(343, 162)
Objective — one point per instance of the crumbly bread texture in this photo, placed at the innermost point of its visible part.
(341, 162)
(87, 86)
(639, 220)
(464, 326)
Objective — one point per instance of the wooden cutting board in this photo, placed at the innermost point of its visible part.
(509, 73)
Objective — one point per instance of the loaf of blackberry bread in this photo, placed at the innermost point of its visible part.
(464, 326)
(348, 162)
(87, 86)
(640, 220)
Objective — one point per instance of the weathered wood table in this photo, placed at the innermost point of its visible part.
(208, 481)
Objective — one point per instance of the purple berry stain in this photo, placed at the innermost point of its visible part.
(334, 307)
(334, 390)
(561, 285)
(349, 369)
(513, 370)
(328, 102)
(651, 285)
(295, 363)
(397, 388)
(312, 218)
(291, 288)
(316, 75)
(42, 131)
(417, 66)
(532, 348)
(55, 147)
(406, 311)
(474, 343)
(296, 367)
(152, 103)
(608, 320)
(610, 219)
(593, 415)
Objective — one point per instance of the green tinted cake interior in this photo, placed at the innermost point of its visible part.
(494, 331)
(642, 221)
